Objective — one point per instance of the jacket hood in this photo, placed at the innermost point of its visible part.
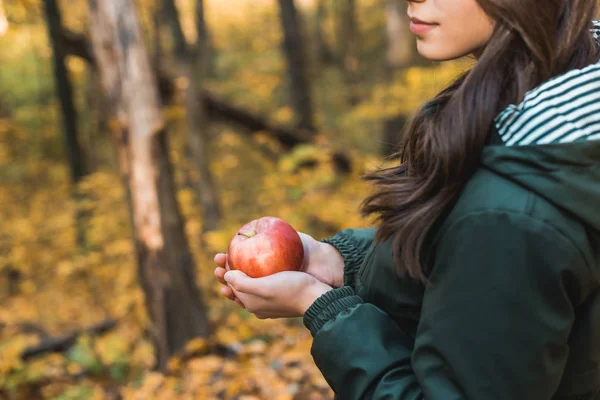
(551, 142)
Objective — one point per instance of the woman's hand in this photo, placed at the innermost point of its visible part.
(281, 295)
(321, 260)
(223, 267)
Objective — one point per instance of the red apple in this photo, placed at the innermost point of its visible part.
(265, 246)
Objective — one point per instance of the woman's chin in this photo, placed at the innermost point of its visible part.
(438, 53)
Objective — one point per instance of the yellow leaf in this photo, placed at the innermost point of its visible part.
(206, 364)
(196, 345)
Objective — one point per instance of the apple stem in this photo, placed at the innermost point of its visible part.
(248, 235)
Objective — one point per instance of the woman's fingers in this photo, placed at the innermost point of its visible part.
(241, 282)
(239, 302)
(219, 273)
(227, 292)
(220, 259)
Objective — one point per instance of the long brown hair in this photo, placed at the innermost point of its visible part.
(531, 43)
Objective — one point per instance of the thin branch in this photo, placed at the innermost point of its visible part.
(63, 343)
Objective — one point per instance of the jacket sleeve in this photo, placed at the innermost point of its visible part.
(353, 245)
(494, 324)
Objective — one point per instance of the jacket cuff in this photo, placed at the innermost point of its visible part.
(353, 257)
(328, 306)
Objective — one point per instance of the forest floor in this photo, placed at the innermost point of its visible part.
(52, 284)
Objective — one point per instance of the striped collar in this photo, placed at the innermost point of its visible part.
(563, 109)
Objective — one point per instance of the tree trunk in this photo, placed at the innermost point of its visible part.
(165, 265)
(171, 16)
(198, 143)
(349, 48)
(323, 50)
(64, 91)
(296, 57)
(215, 107)
(188, 63)
(156, 49)
(69, 114)
(204, 47)
(400, 41)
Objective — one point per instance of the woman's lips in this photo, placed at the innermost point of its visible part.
(419, 27)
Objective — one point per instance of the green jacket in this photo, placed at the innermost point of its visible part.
(513, 311)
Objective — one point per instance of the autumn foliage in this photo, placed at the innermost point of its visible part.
(53, 283)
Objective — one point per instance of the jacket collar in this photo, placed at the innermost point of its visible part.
(563, 109)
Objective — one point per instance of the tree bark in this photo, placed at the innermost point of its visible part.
(189, 64)
(205, 49)
(171, 16)
(324, 53)
(215, 107)
(157, 51)
(73, 149)
(349, 48)
(64, 91)
(165, 266)
(64, 343)
(293, 46)
(219, 109)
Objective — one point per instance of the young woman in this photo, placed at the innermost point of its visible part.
(482, 278)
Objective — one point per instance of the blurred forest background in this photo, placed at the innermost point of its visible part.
(136, 137)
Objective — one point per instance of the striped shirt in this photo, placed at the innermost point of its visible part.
(563, 109)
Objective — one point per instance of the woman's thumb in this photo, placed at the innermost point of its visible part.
(236, 279)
